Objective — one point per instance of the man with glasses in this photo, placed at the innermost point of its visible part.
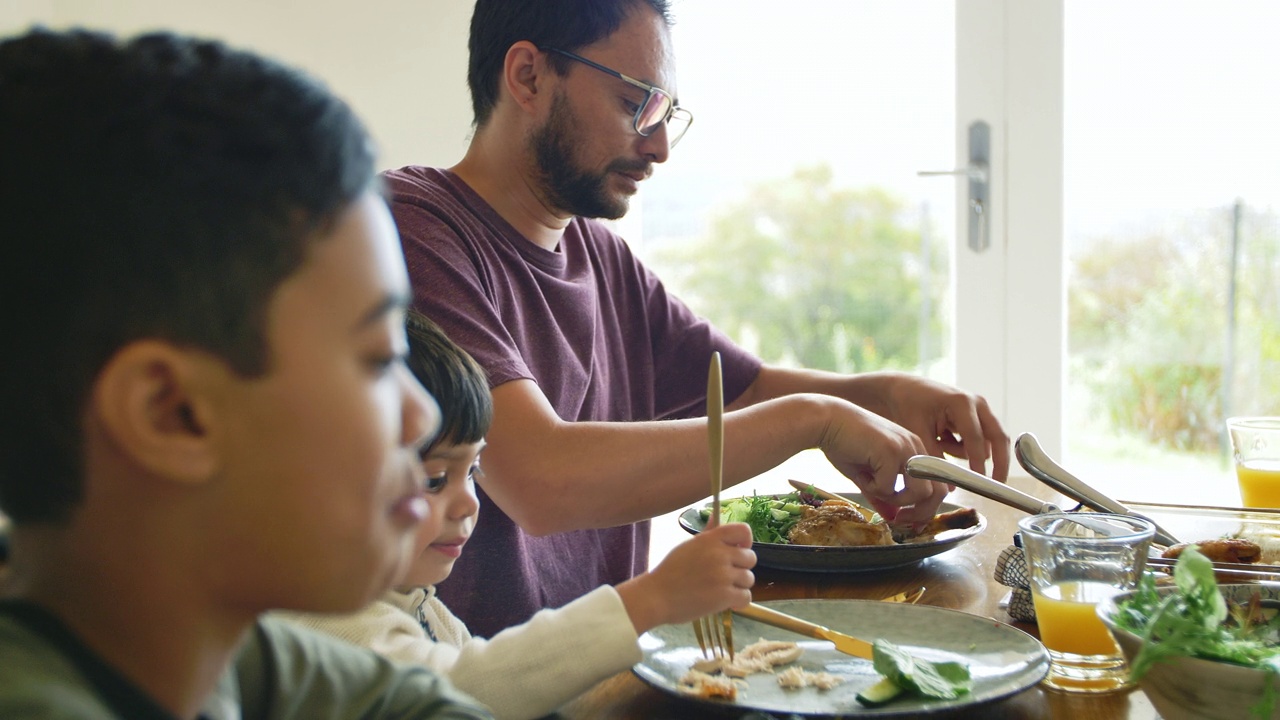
(598, 373)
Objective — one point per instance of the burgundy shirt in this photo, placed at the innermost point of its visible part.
(598, 333)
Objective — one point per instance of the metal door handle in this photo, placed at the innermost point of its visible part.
(977, 171)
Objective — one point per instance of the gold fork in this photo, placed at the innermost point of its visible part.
(715, 630)
(910, 598)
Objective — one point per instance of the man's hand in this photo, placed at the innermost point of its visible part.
(948, 420)
(873, 452)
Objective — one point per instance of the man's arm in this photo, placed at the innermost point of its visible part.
(947, 419)
(553, 476)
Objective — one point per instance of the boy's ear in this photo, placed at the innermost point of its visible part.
(149, 402)
(523, 72)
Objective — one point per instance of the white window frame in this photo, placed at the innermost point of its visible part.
(1010, 326)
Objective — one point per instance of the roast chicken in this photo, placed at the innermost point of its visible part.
(838, 524)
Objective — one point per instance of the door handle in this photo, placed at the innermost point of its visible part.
(978, 173)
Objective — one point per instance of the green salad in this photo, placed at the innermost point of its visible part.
(1196, 621)
(770, 517)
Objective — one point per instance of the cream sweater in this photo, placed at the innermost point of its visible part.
(523, 672)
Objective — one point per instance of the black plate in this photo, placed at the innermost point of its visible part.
(817, 558)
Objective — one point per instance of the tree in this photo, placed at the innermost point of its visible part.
(825, 277)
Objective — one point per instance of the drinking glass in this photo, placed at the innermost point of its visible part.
(1255, 443)
(1075, 561)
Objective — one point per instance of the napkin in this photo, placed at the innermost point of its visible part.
(1011, 571)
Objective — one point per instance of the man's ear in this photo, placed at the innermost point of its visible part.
(150, 402)
(524, 72)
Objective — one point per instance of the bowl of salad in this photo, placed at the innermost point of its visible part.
(1199, 649)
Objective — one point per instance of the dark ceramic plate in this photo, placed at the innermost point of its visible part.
(816, 558)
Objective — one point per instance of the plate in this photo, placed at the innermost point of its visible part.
(817, 558)
(1002, 660)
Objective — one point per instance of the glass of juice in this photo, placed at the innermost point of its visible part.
(1076, 560)
(1255, 442)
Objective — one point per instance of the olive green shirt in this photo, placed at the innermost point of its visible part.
(280, 673)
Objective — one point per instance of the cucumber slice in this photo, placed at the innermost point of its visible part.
(879, 693)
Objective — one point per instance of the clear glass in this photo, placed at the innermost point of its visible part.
(1075, 561)
(793, 217)
(1255, 445)
(1172, 208)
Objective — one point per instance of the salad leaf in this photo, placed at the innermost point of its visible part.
(1195, 621)
(941, 680)
(770, 518)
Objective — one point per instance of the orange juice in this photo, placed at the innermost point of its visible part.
(1068, 620)
(1259, 483)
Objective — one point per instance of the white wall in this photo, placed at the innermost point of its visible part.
(400, 63)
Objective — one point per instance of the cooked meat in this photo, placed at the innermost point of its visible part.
(837, 525)
(758, 657)
(797, 677)
(1227, 550)
(710, 687)
(953, 520)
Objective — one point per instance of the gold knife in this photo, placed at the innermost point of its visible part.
(846, 644)
(866, 512)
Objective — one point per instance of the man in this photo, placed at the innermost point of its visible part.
(574, 104)
(206, 413)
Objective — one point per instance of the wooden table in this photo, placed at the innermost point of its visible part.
(960, 579)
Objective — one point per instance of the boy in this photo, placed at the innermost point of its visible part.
(205, 413)
(528, 670)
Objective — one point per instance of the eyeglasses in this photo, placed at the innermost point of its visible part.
(658, 106)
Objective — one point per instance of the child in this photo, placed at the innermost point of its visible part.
(204, 413)
(529, 670)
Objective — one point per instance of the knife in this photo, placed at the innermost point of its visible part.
(847, 644)
(825, 495)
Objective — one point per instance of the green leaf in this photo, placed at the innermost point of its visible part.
(941, 680)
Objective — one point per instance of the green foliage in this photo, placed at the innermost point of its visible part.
(1174, 405)
(825, 277)
(1148, 323)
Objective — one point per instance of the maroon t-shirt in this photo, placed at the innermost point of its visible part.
(599, 334)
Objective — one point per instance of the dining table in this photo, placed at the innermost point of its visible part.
(961, 578)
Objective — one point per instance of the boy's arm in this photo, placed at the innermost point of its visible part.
(288, 673)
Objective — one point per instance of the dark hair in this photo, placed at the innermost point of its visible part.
(496, 25)
(161, 187)
(453, 378)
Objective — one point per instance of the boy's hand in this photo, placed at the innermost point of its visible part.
(708, 573)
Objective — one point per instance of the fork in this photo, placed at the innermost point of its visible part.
(715, 631)
(910, 598)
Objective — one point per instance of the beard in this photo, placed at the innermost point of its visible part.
(569, 188)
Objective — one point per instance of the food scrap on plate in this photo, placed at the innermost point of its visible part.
(718, 678)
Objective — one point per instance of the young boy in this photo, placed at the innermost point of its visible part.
(528, 670)
(204, 411)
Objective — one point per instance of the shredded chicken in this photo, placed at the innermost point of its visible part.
(794, 678)
(707, 678)
(758, 657)
(710, 687)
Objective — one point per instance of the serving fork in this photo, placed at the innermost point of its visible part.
(715, 631)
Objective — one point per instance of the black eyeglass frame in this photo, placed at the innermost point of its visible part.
(650, 91)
